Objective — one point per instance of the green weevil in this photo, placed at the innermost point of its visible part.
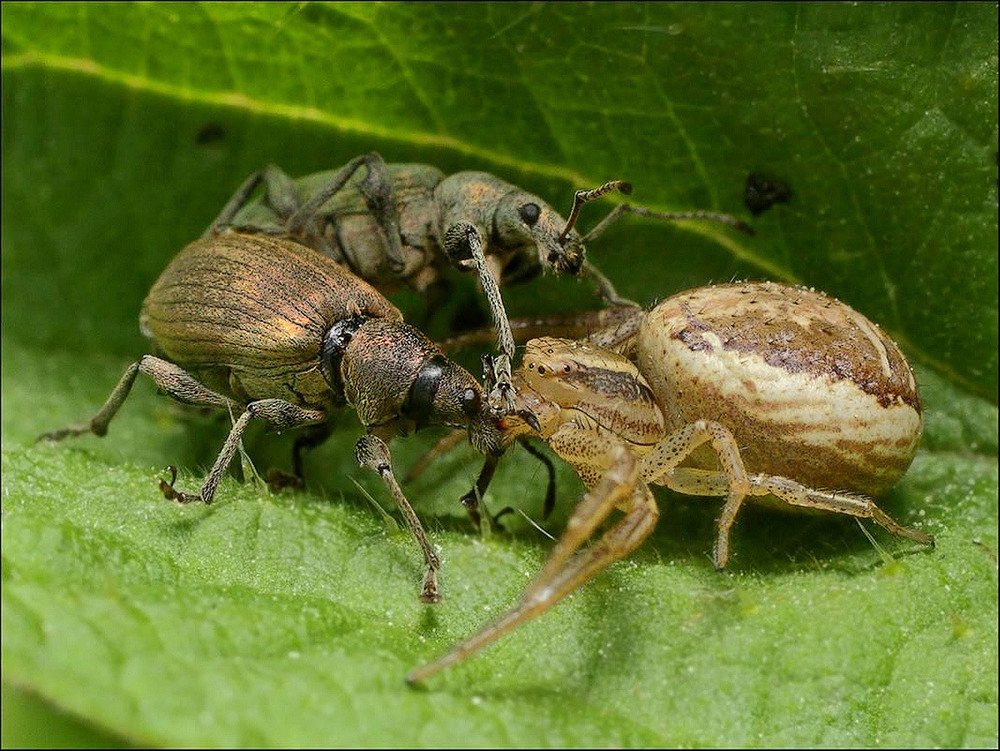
(396, 224)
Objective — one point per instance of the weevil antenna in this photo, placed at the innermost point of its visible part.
(583, 196)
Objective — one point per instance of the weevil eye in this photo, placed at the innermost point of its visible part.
(471, 403)
(529, 213)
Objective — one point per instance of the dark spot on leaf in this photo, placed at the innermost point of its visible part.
(763, 191)
(210, 133)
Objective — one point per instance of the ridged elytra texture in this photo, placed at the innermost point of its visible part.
(247, 315)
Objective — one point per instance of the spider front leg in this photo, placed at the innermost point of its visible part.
(568, 567)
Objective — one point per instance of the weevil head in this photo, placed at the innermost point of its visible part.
(396, 377)
(531, 232)
(521, 234)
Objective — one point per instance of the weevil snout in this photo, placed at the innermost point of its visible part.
(566, 256)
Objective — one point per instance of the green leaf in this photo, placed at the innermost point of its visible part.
(290, 619)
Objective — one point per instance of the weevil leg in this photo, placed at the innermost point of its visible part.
(567, 568)
(550, 487)
(372, 452)
(169, 378)
(281, 415)
(310, 437)
(183, 387)
(463, 244)
(604, 285)
(660, 466)
(471, 499)
(233, 206)
(502, 395)
(605, 288)
(612, 328)
(379, 195)
(377, 188)
(461, 240)
(280, 194)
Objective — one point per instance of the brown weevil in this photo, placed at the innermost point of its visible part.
(403, 223)
(269, 329)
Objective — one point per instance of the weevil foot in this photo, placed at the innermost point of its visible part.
(171, 494)
(470, 502)
(498, 379)
(429, 591)
(67, 432)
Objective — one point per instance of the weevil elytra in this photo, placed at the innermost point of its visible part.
(403, 223)
(269, 329)
(737, 391)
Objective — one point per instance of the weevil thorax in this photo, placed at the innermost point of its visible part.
(395, 377)
(520, 230)
(811, 388)
(588, 384)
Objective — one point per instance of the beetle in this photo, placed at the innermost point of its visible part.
(748, 390)
(404, 223)
(271, 330)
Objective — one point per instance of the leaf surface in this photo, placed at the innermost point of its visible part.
(290, 619)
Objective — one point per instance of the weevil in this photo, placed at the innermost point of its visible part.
(736, 391)
(403, 223)
(271, 330)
